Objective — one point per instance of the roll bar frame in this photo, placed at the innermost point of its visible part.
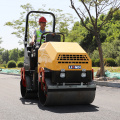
(27, 18)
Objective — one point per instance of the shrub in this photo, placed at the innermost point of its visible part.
(4, 65)
(93, 62)
(11, 64)
(97, 63)
(109, 62)
(19, 64)
(117, 61)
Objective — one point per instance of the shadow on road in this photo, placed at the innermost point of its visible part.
(61, 109)
(70, 108)
(29, 101)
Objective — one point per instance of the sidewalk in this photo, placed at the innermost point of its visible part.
(112, 83)
(10, 74)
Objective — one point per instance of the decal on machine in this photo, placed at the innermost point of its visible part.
(74, 67)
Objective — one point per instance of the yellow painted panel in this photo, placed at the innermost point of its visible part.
(60, 55)
(67, 47)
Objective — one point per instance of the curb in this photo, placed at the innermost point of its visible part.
(108, 84)
(10, 74)
(100, 83)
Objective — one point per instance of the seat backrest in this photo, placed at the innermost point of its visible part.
(50, 37)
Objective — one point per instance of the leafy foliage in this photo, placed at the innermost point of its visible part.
(97, 63)
(1, 51)
(110, 50)
(14, 55)
(5, 56)
(109, 35)
(11, 64)
(20, 64)
(117, 61)
(109, 62)
(62, 21)
(21, 59)
(21, 53)
(93, 62)
(83, 37)
(100, 7)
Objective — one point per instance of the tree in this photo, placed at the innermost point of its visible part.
(21, 53)
(14, 55)
(63, 20)
(19, 24)
(1, 49)
(83, 37)
(110, 50)
(5, 56)
(100, 6)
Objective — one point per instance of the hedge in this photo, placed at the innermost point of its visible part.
(97, 63)
(11, 64)
(20, 64)
(107, 62)
(93, 62)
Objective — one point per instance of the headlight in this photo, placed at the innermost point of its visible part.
(62, 75)
(83, 75)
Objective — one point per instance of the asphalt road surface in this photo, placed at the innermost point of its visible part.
(106, 105)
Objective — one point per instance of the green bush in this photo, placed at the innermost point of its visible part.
(109, 62)
(4, 65)
(97, 63)
(19, 64)
(117, 61)
(11, 64)
(93, 62)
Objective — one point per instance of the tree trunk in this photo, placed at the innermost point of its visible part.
(102, 72)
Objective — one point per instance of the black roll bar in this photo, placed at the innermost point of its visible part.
(26, 26)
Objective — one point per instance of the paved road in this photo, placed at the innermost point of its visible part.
(12, 107)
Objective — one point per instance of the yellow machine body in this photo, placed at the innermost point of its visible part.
(60, 55)
(58, 73)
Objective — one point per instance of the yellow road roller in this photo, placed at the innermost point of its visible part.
(57, 72)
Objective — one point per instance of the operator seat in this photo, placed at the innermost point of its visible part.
(53, 37)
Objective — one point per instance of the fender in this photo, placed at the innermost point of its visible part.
(23, 77)
(41, 78)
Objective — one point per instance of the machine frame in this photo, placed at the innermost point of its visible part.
(48, 83)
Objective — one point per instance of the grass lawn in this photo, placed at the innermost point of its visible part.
(110, 69)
